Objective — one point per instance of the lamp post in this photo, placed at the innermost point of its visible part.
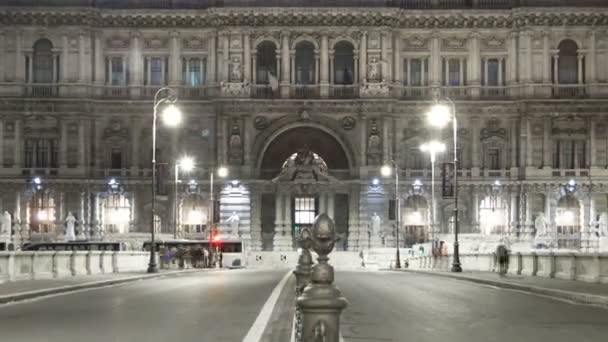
(386, 171)
(187, 164)
(439, 116)
(222, 172)
(171, 117)
(433, 147)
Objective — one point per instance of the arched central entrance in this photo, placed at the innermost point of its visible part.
(305, 166)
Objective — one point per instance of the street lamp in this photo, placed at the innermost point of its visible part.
(171, 116)
(187, 164)
(386, 171)
(222, 172)
(433, 147)
(439, 116)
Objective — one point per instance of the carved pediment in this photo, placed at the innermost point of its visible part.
(155, 43)
(415, 43)
(116, 130)
(493, 130)
(117, 43)
(454, 43)
(493, 43)
(569, 126)
(195, 43)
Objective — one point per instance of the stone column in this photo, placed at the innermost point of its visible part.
(528, 142)
(135, 147)
(546, 59)
(324, 64)
(474, 62)
(175, 68)
(385, 144)
(211, 72)
(513, 142)
(591, 60)
(435, 70)
(556, 69)
(225, 46)
(1, 143)
(384, 57)
(256, 220)
(247, 57)
(18, 145)
(63, 144)
(527, 231)
(99, 61)
(547, 150)
(580, 58)
(82, 60)
(397, 64)
(248, 132)
(363, 140)
(136, 64)
(19, 58)
(287, 214)
(512, 58)
(81, 230)
(475, 219)
(323, 203)
(475, 144)
(526, 41)
(363, 58)
(285, 65)
(513, 220)
(592, 142)
(65, 52)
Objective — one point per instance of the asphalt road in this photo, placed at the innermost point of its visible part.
(404, 307)
(207, 306)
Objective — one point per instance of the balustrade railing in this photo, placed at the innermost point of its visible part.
(202, 92)
(412, 92)
(493, 92)
(569, 91)
(264, 91)
(305, 91)
(350, 91)
(42, 90)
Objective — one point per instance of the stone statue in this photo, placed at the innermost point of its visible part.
(603, 225)
(374, 145)
(5, 227)
(540, 224)
(376, 222)
(235, 72)
(373, 70)
(234, 223)
(70, 223)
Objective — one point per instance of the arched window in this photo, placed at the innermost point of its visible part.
(305, 64)
(567, 70)
(344, 64)
(266, 62)
(43, 62)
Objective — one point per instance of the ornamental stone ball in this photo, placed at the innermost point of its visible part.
(323, 235)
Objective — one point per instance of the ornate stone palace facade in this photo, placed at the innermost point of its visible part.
(303, 105)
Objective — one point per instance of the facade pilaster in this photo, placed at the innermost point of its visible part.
(211, 72)
(435, 70)
(591, 59)
(512, 59)
(285, 64)
(82, 59)
(135, 143)
(19, 57)
(363, 58)
(474, 61)
(99, 63)
(592, 161)
(18, 144)
(547, 149)
(475, 143)
(528, 142)
(513, 217)
(65, 55)
(546, 61)
(63, 144)
(384, 55)
(136, 64)
(247, 57)
(175, 68)
(475, 219)
(324, 66)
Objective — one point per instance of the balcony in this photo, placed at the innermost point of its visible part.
(41, 90)
(301, 91)
(569, 91)
(349, 91)
(264, 91)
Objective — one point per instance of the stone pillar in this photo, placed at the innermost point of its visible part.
(136, 64)
(397, 63)
(591, 60)
(527, 231)
(556, 69)
(528, 142)
(175, 68)
(475, 143)
(435, 69)
(256, 220)
(513, 219)
(512, 58)
(247, 57)
(385, 141)
(475, 219)
(323, 203)
(473, 65)
(63, 144)
(353, 219)
(65, 53)
(82, 221)
(19, 58)
(592, 143)
(82, 61)
(285, 65)
(135, 148)
(513, 141)
(324, 89)
(98, 127)
(546, 60)
(363, 58)
(580, 59)
(363, 140)
(211, 72)
(384, 57)
(18, 145)
(547, 150)
(526, 41)
(248, 132)
(99, 61)
(224, 39)
(1, 143)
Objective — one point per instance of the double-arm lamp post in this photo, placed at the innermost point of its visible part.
(171, 116)
(222, 172)
(432, 148)
(386, 171)
(439, 116)
(186, 164)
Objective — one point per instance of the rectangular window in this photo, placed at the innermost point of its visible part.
(304, 210)
(492, 77)
(454, 72)
(417, 77)
(192, 72)
(116, 162)
(117, 74)
(156, 71)
(494, 159)
(416, 72)
(40, 153)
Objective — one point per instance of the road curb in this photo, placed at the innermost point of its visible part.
(21, 296)
(577, 297)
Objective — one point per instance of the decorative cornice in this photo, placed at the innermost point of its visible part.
(290, 17)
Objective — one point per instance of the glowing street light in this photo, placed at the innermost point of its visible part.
(171, 115)
(375, 181)
(386, 170)
(439, 115)
(222, 171)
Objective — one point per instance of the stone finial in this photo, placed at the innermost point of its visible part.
(323, 240)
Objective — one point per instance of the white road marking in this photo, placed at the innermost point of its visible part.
(257, 329)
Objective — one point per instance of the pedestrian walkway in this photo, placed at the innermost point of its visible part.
(29, 289)
(577, 291)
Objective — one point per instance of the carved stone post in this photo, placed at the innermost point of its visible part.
(321, 302)
(302, 273)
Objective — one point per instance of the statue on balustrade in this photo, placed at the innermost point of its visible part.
(70, 231)
(235, 74)
(6, 225)
(374, 70)
(236, 145)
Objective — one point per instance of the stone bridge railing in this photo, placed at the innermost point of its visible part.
(589, 267)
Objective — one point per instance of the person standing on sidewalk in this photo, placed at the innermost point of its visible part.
(502, 254)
